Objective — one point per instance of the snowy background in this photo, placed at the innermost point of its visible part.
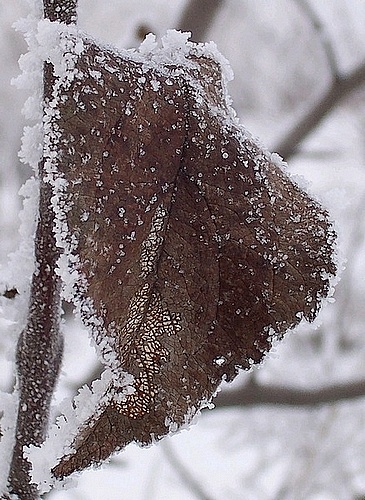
(282, 54)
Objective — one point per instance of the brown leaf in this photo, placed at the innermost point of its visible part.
(194, 247)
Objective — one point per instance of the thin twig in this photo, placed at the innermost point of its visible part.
(186, 476)
(253, 394)
(340, 88)
(345, 291)
(323, 35)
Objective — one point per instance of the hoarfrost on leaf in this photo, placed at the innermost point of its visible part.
(176, 41)
(203, 287)
(148, 45)
(213, 267)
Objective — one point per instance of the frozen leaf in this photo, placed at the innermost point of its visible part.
(189, 249)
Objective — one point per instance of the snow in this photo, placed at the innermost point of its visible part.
(72, 415)
(31, 149)
(8, 407)
(148, 45)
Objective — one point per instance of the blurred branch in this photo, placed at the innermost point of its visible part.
(39, 350)
(323, 34)
(345, 290)
(340, 88)
(184, 473)
(198, 17)
(253, 394)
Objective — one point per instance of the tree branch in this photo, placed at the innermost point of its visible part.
(39, 351)
(40, 346)
(253, 394)
(341, 87)
(198, 17)
(323, 35)
(185, 475)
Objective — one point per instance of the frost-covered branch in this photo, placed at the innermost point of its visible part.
(39, 351)
(40, 346)
(340, 88)
(198, 16)
(253, 394)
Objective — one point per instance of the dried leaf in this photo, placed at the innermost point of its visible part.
(193, 249)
